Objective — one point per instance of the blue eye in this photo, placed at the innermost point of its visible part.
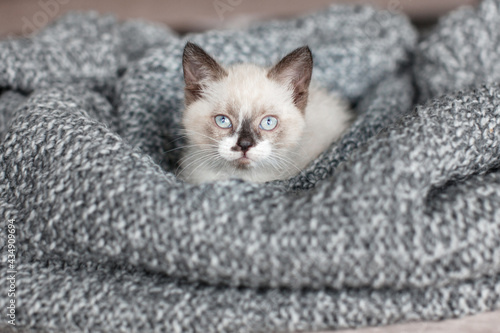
(268, 123)
(223, 121)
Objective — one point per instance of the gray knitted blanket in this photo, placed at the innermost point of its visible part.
(397, 221)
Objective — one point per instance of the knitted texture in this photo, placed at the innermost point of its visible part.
(397, 221)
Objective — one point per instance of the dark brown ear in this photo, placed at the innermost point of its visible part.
(295, 69)
(199, 68)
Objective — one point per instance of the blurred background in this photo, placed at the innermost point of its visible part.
(23, 17)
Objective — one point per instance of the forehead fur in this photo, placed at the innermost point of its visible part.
(248, 89)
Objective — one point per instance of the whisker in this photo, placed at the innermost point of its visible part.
(195, 155)
(189, 146)
(177, 139)
(197, 160)
(198, 133)
(286, 161)
(192, 157)
(209, 157)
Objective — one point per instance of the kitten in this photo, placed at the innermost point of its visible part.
(254, 123)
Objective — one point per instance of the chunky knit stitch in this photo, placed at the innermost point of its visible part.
(397, 221)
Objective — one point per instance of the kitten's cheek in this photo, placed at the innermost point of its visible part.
(225, 151)
(228, 154)
(260, 152)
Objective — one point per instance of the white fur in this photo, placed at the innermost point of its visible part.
(248, 90)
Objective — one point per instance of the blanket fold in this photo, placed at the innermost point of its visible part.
(397, 221)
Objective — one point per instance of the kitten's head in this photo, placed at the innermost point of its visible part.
(245, 116)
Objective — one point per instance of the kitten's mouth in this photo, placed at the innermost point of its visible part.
(243, 162)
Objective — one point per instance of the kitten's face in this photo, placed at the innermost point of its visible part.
(244, 117)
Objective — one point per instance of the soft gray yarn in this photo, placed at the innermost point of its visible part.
(462, 52)
(395, 222)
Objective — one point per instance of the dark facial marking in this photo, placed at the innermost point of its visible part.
(246, 138)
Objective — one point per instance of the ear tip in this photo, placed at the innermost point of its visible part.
(191, 47)
(303, 52)
(187, 49)
(306, 50)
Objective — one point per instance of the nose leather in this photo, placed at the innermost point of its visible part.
(245, 143)
(246, 138)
